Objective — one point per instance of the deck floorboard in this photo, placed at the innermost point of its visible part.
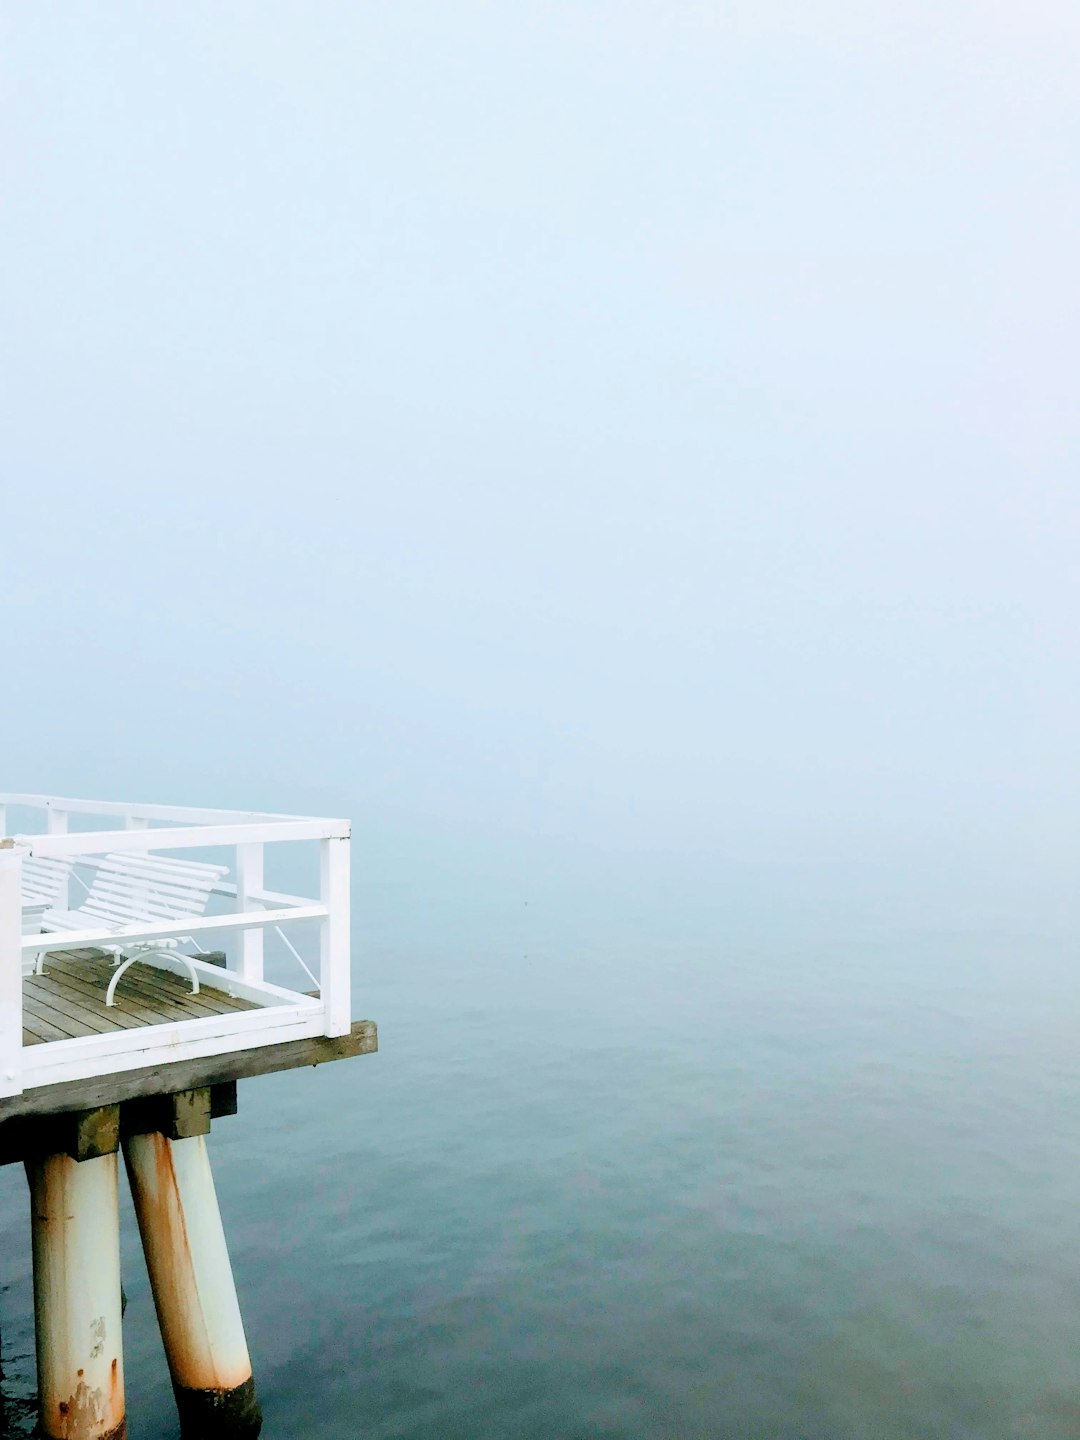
(135, 1009)
(68, 1000)
(146, 1004)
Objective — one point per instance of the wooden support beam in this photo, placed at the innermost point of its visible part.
(94, 1133)
(189, 1114)
(179, 1116)
(89, 1134)
(212, 1070)
(82, 1134)
(223, 1100)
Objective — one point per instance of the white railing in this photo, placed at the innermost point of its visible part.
(320, 1005)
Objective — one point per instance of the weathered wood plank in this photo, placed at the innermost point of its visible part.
(160, 1001)
(78, 981)
(148, 981)
(191, 1074)
(152, 984)
(68, 1000)
(41, 1027)
(51, 995)
(56, 1025)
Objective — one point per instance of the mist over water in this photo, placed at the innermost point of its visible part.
(624, 457)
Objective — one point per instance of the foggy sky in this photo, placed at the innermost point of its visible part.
(640, 425)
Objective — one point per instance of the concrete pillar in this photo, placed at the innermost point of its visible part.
(194, 1292)
(76, 1242)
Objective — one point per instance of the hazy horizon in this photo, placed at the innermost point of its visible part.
(646, 430)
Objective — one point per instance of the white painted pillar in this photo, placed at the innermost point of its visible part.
(249, 878)
(10, 969)
(335, 947)
(194, 1292)
(76, 1243)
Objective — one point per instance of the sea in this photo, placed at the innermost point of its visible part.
(701, 1146)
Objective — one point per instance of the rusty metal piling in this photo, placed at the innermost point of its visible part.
(76, 1245)
(176, 1206)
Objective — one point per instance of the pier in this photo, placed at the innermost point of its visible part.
(122, 1034)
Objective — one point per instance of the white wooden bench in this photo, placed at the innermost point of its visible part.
(133, 889)
(44, 885)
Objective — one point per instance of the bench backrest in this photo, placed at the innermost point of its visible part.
(44, 880)
(130, 888)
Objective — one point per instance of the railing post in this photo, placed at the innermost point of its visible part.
(10, 969)
(249, 878)
(335, 957)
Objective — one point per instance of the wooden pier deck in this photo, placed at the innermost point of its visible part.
(81, 1080)
(68, 1000)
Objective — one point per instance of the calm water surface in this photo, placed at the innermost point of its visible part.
(797, 1159)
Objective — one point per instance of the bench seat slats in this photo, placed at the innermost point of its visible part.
(126, 890)
(128, 863)
(137, 894)
(44, 879)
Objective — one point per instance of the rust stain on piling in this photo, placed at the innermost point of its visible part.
(85, 1414)
(116, 1401)
(193, 1361)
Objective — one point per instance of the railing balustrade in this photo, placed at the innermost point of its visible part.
(282, 1013)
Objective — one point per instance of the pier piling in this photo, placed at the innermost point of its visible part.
(76, 1247)
(192, 1282)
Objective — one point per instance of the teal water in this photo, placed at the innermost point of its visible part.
(650, 1150)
